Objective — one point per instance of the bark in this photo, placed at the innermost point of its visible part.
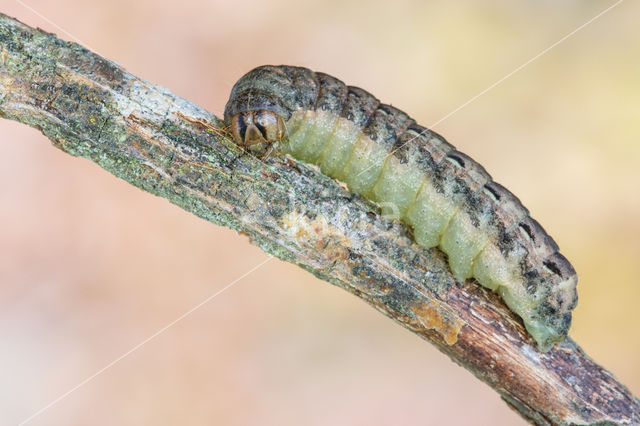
(140, 132)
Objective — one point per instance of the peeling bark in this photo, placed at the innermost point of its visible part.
(140, 132)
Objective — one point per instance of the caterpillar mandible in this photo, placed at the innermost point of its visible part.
(447, 199)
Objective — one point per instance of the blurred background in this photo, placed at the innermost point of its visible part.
(90, 266)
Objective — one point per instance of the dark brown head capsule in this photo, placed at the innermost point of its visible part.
(257, 130)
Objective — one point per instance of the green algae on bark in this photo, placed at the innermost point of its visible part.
(142, 133)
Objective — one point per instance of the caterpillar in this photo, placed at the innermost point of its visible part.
(446, 198)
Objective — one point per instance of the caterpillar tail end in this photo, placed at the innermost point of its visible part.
(548, 330)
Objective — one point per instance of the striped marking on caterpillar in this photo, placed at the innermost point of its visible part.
(447, 198)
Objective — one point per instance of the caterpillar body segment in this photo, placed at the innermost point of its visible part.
(448, 199)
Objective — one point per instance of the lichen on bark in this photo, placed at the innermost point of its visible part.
(142, 133)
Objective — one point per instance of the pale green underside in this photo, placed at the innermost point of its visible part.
(343, 152)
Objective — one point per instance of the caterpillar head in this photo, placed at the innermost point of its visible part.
(257, 130)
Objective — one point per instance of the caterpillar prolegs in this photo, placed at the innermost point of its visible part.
(448, 199)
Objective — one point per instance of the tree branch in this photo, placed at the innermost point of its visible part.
(142, 133)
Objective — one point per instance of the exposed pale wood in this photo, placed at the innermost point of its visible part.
(142, 133)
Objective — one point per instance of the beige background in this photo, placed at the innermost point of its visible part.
(91, 266)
